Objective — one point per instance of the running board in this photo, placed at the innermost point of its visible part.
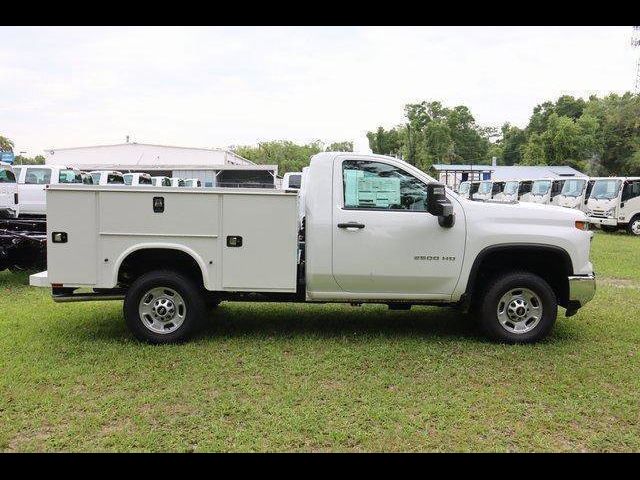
(86, 297)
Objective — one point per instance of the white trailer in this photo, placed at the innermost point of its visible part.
(375, 230)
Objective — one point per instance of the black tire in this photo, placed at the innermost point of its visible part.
(609, 228)
(633, 227)
(192, 301)
(505, 285)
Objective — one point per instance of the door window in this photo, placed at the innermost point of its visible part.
(631, 190)
(7, 176)
(37, 176)
(380, 186)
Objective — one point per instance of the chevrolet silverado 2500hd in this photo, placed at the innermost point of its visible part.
(375, 230)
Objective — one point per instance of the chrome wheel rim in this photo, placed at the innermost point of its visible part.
(635, 227)
(519, 310)
(162, 310)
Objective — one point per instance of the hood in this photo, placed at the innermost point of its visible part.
(522, 213)
(602, 203)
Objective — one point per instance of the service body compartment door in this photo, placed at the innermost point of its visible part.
(74, 261)
(259, 242)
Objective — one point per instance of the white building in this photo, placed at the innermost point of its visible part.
(214, 167)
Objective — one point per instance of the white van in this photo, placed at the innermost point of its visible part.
(614, 203)
(9, 206)
(161, 181)
(575, 193)
(107, 177)
(546, 190)
(33, 180)
(137, 179)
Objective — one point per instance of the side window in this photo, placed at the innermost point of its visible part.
(96, 178)
(166, 182)
(144, 180)
(7, 176)
(16, 171)
(556, 188)
(631, 190)
(37, 176)
(379, 186)
(115, 178)
(87, 179)
(525, 187)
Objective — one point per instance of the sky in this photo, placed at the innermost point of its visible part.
(217, 87)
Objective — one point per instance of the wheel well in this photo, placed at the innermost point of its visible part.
(145, 260)
(553, 264)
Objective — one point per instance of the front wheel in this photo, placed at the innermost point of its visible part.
(163, 307)
(518, 307)
(634, 226)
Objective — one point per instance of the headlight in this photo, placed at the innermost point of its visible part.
(588, 212)
(611, 212)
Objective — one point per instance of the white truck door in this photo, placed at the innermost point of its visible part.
(32, 192)
(385, 243)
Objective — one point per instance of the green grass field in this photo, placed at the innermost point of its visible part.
(276, 377)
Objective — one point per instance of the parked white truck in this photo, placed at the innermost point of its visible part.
(514, 190)
(136, 178)
(9, 205)
(32, 183)
(376, 230)
(614, 203)
(575, 193)
(546, 190)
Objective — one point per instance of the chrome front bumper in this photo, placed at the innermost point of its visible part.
(582, 289)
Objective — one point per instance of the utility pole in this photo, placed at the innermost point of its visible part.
(635, 42)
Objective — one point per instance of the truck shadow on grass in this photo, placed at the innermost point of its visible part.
(289, 320)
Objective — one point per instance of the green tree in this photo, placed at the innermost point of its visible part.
(289, 156)
(6, 145)
(37, 160)
(344, 146)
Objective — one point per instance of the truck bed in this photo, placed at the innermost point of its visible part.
(105, 224)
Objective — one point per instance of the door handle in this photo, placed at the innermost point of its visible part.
(351, 225)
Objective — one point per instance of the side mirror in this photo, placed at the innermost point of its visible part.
(439, 205)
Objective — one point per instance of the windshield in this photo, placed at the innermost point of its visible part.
(605, 189)
(7, 176)
(510, 188)
(464, 188)
(573, 188)
(128, 178)
(540, 187)
(115, 177)
(95, 177)
(485, 187)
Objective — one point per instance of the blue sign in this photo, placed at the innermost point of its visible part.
(7, 157)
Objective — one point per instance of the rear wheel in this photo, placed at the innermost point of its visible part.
(518, 307)
(634, 226)
(163, 307)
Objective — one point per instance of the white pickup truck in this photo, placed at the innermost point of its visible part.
(376, 230)
(32, 183)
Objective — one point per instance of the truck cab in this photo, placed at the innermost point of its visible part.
(614, 203)
(575, 193)
(9, 205)
(177, 182)
(484, 192)
(467, 189)
(33, 181)
(192, 182)
(135, 179)
(514, 190)
(545, 191)
(107, 177)
(376, 230)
